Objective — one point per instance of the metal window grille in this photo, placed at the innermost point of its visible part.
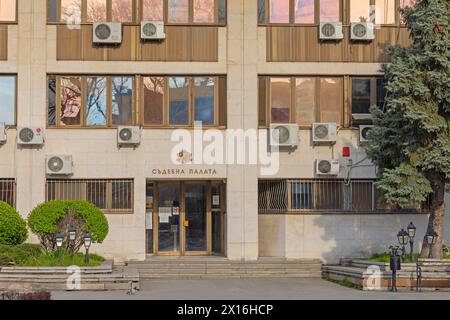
(112, 196)
(322, 195)
(8, 191)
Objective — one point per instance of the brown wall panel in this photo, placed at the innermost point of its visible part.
(69, 43)
(305, 44)
(178, 43)
(3, 42)
(91, 52)
(279, 44)
(127, 49)
(153, 50)
(204, 44)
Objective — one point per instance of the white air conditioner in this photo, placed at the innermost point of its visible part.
(129, 136)
(30, 136)
(107, 33)
(331, 31)
(59, 165)
(152, 30)
(284, 135)
(365, 133)
(324, 132)
(2, 133)
(327, 167)
(362, 31)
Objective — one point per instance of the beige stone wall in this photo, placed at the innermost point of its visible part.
(32, 55)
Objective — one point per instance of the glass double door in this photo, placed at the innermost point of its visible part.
(187, 218)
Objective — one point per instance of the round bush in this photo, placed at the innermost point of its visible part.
(56, 216)
(13, 229)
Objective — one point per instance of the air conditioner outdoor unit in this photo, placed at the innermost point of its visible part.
(129, 136)
(2, 133)
(30, 136)
(107, 33)
(327, 167)
(59, 165)
(152, 30)
(365, 133)
(331, 31)
(284, 135)
(362, 31)
(324, 132)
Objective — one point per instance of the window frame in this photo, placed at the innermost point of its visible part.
(14, 125)
(82, 184)
(373, 90)
(15, 21)
(12, 183)
(138, 13)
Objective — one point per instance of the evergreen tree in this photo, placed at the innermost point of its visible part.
(411, 138)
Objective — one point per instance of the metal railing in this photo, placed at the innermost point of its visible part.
(8, 191)
(321, 195)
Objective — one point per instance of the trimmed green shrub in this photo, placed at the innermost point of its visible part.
(56, 216)
(13, 229)
(16, 255)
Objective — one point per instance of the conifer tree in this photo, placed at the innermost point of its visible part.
(411, 138)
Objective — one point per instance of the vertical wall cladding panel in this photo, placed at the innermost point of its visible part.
(305, 45)
(69, 43)
(3, 42)
(204, 44)
(279, 47)
(91, 52)
(127, 50)
(178, 43)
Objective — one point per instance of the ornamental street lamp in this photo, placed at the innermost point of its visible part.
(432, 237)
(72, 231)
(59, 237)
(412, 233)
(87, 244)
(403, 239)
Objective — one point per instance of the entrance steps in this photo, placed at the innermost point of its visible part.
(188, 268)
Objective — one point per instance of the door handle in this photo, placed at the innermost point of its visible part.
(186, 223)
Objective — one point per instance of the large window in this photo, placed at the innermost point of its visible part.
(322, 195)
(367, 92)
(287, 11)
(132, 11)
(360, 10)
(112, 196)
(8, 10)
(8, 100)
(111, 101)
(302, 100)
(8, 191)
(385, 11)
(330, 10)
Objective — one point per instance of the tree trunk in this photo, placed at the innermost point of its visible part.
(436, 221)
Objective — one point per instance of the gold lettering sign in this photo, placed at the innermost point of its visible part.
(180, 172)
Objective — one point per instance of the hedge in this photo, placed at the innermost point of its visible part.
(13, 229)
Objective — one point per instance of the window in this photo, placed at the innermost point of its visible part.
(178, 101)
(280, 100)
(361, 96)
(122, 11)
(330, 11)
(304, 11)
(359, 10)
(204, 100)
(178, 11)
(96, 113)
(70, 10)
(305, 101)
(381, 93)
(112, 196)
(331, 100)
(8, 10)
(385, 11)
(204, 11)
(70, 101)
(8, 191)
(279, 11)
(8, 100)
(96, 11)
(122, 101)
(51, 101)
(153, 10)
(153, 100)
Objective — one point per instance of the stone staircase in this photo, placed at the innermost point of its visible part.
(222, 268)
(101, 278)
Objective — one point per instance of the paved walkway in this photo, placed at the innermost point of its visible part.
(251, 289)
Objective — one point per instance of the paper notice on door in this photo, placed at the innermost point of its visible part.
(164, 214)
(149, 221)
(176, 211)
(216, 200)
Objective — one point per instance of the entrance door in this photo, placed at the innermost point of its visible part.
(197, 214)
(168, 216)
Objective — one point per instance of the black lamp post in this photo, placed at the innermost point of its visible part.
(59, 237)
(72, 231)
(432, 237)
(87, 244)
(412, 233)
(403, 239)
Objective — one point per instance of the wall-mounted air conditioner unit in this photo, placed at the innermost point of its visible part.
(327, 167)
(2, 133)
(331, 31)
(284, 135)
(61, 165)
(30, 136)
(129, 136)
(152, 30)
(324, 132)
(107, 33)
(362, 31)
(365, 133)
